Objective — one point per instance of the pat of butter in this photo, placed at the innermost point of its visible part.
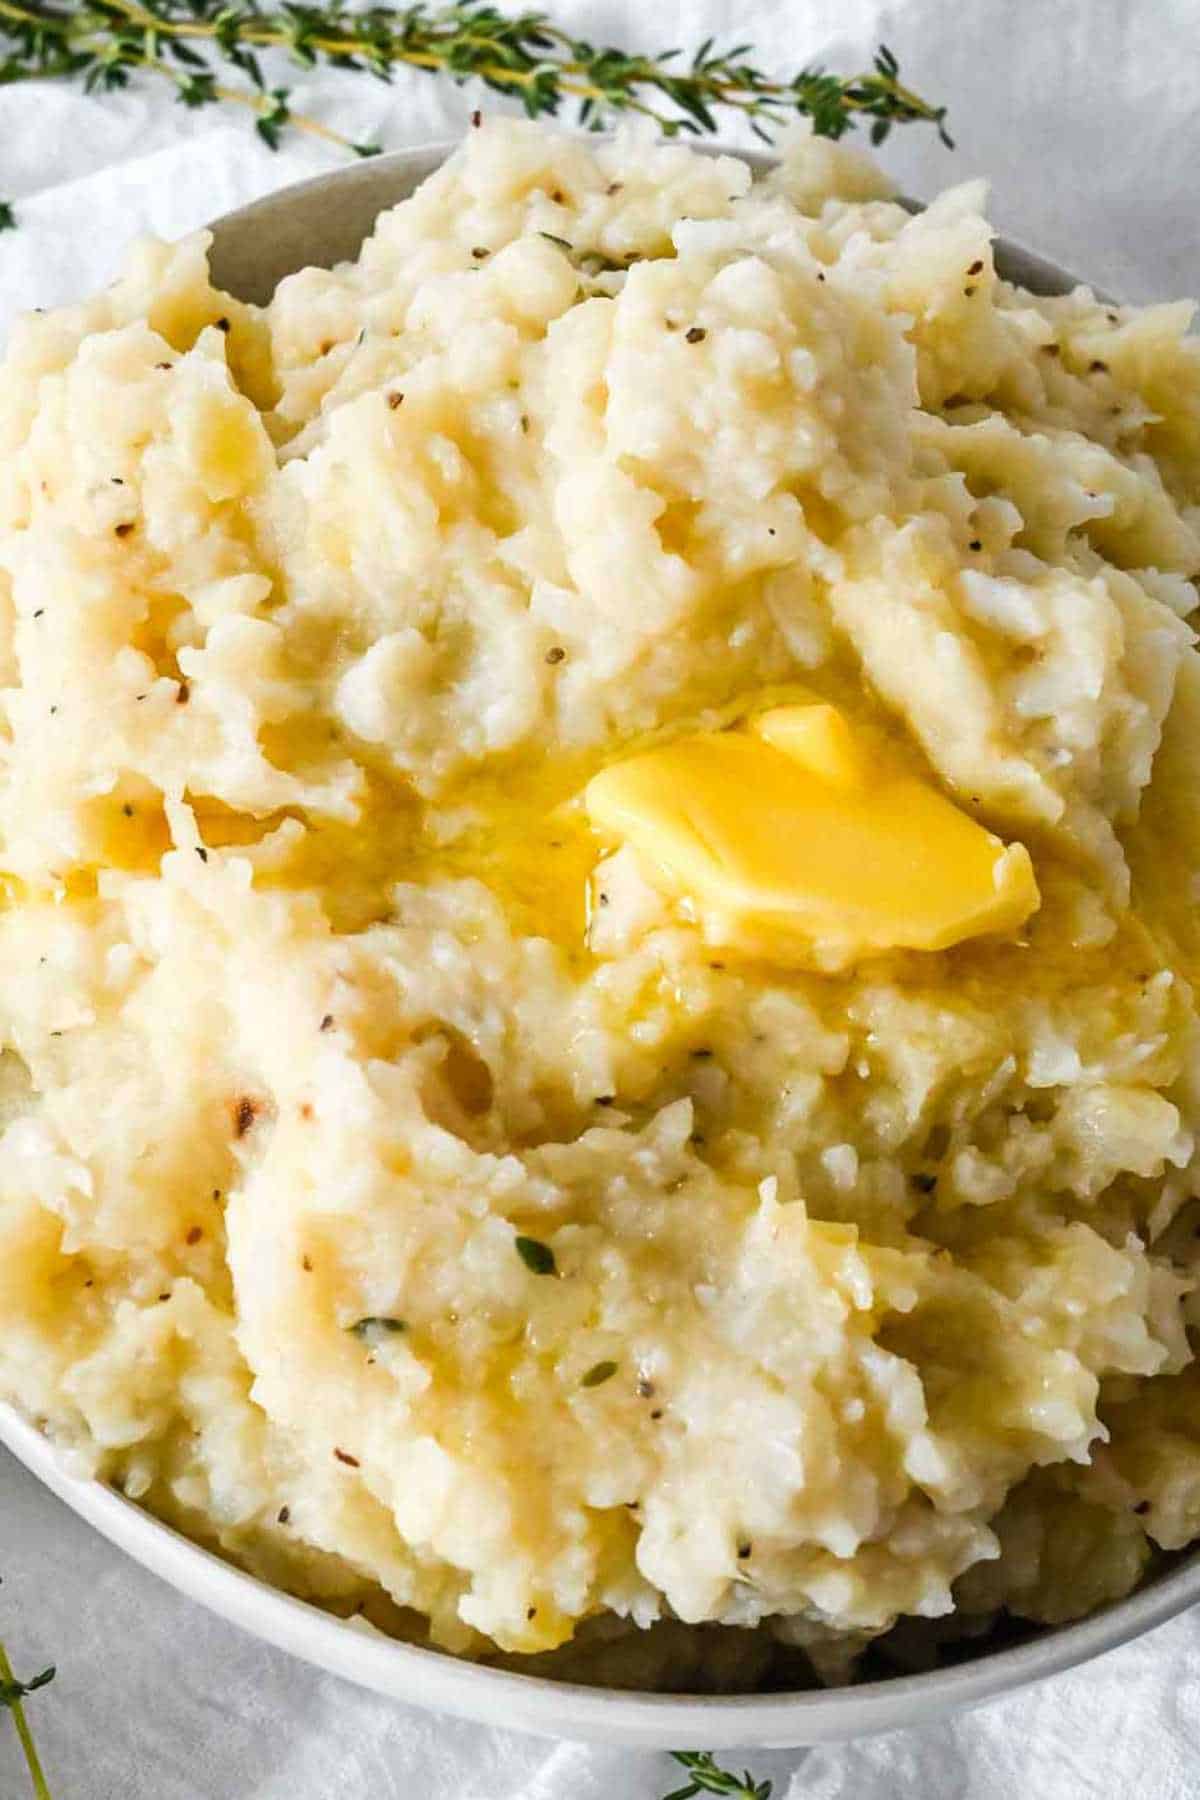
(790, 840)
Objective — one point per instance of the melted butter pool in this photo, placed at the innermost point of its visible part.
(518, 829)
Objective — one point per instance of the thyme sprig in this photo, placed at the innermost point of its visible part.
(708, 1778)
(194, 44)
(12, 1693)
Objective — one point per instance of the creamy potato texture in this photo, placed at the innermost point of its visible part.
(405, 1184)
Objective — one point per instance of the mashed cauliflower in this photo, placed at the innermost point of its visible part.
(397, 1190)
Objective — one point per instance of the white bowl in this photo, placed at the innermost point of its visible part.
(323, 221)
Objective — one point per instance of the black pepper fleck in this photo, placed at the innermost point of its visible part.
(326, 1023)
(976, 544)
(202, 853)
(556, 654)
(395, 400)
(283, 1515)
(223, 324)
(695, 334)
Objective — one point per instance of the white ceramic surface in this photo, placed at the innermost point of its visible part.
(322, 221)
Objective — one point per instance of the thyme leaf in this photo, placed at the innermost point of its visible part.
(708, 1778)
(370, 1330)
(537, 1257)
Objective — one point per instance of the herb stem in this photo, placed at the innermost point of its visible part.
(103, 43)
(25, 1736)
(301, 122)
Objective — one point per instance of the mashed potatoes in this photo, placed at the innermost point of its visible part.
(399, 1190)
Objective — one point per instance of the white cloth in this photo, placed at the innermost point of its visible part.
(1083, 115)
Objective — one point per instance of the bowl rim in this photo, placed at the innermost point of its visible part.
(433, 1679)
(269, 232)
(549, 1708)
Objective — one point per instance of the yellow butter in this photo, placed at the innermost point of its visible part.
(820, 737)
(789, 839)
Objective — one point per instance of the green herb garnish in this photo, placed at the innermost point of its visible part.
(708, 1778)
(12, 1693)
(8, 217)
(370, 1330)
(598, 1374)
(589, 262)
(210, 51)
(537, 1257)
